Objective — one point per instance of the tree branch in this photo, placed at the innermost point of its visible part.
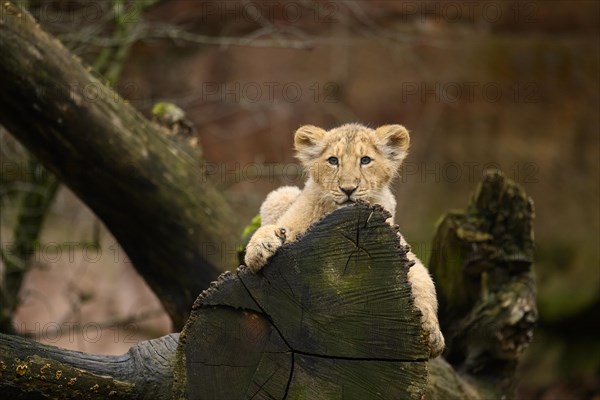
(16, 256)
(35, 204)
(32, 370)
(151, 193)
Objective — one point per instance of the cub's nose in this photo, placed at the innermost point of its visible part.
(348, 190)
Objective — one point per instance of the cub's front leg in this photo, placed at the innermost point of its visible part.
(423, 292)
(263, 244)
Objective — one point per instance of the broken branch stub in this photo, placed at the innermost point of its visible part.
(482, 265)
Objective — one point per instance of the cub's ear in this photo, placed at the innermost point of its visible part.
(308, 142)
(394, 140)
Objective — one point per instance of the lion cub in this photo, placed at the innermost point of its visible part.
(346, 164)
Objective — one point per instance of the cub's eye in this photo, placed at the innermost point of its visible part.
(365, 160)
(333, 160)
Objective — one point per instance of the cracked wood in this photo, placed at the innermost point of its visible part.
(321, 319)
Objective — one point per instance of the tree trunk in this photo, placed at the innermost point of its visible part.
(150, 192)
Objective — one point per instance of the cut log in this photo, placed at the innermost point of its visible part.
(330, 316)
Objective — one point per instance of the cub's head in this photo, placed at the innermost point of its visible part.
(352, 162)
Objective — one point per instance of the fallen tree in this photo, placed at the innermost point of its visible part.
(146, 188)
(330, 315)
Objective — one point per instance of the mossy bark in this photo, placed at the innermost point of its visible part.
(30, 370)
(482, 264)
(17, 255)
(150, 192)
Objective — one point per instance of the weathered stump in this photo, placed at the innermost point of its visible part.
(331, 316)
(482, 266)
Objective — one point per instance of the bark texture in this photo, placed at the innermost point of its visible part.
(482, 264)
(331, 316)
(150, 192)
(29, 370)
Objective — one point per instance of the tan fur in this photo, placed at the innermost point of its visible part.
(277, 202)
(288, 212)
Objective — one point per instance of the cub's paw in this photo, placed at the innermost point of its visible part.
(264, 243)
(436, 339)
